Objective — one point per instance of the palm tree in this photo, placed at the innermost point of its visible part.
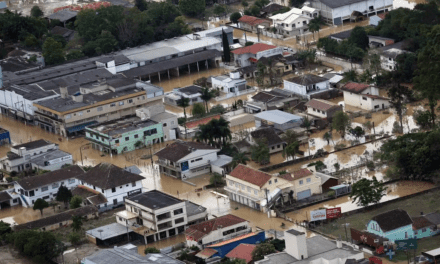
(239, 158)
(223, 130)
(184, 103)
(290, 137)
(207, 95)
(291, 150)
(307, 124)
(315, 25)
(327, 136)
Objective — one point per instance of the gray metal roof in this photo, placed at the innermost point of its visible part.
(189, 90)
(121, 126)
(108, 231)
(30, 92)
(50, 155)
(277, 116)
(127, 256)
(154, 199)
(140, 55)
(342, 35)
(133, 169)
(193, 209)
(339, 3)
(162, 116)
(295, 232)
(63, 15)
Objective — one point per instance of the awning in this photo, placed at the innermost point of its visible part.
(80, 127)
(253, 60)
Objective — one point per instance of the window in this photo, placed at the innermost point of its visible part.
(240, 228)
(55, 185)
(242, 186)
(31, 193)
(88, 111)
(99, 109)
(130, 101)
(117, 141)
(273, 147)
(178, 211)
(179, 220)
(270, 182)
(423, 229)
(256, 192)
(102, 190)
(275, 181)
(153, 131)
(278, 146)
(136, 136)
(406, 234)
(112, 105)
(231, 183)
(68, 116)
(164, 124)
(133, 184)
(230, 231)
(364, 98)
(45, 188)
(249, 189)
(127, 138)
(309, 180)
(113, 190)
(416, 232)
(70, 181)
(376, 106)
(300, 182)
(121, 103)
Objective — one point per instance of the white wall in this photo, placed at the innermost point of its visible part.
(55, 164)
(198, 158)
(16, 102)
(347, 10)
(315, 112)
(267, 53)
(296, 246)
(120, 191)
(363, 102)
(217, 235)
(302, 90)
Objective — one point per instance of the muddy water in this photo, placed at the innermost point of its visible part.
(18, 215)
(186, 79)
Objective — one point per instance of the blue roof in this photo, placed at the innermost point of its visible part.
(340, 186)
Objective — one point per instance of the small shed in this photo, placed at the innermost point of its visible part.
(279, 119)
(367, 238)
(433, 255)
(341, 189)
(110, 234)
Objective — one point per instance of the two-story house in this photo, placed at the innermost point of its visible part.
(246, 56)
(394, 225)
(322, 108)
(45, 186)
(186, 159)
(156, 215)
(294, 22)
(251, 23)
(22, 157)
(269, 137)
(255, 188)
(305, 183)
(113, 182)
(232, 85)
(364, 96)
(308, 86)
(388, 58)
(216, 230)
(192, 92)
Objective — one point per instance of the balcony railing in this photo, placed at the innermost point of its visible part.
(164, 163)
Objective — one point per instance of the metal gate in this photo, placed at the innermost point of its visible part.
(304, 194)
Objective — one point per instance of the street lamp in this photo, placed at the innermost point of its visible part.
(80, 152)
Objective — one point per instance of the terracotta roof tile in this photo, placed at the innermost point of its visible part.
(301, 174)
(254, 49)
(206, 253)
(251, 20)
(322, 105)
(242, 251)
(198, 231)
(250, 175)
(202, 121)
(233, 240)
(355, 87)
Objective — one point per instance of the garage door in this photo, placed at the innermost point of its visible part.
(304, 194)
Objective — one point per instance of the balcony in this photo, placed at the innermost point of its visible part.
(54, 118)
(163, 216)
(168, 165)
(165, 226)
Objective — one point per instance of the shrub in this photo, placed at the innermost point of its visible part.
(370, 165)
(339, 146)
(331, 193)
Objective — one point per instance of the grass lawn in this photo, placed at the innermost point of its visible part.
(425, 203)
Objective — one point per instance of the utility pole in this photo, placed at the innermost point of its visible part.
(267, 203)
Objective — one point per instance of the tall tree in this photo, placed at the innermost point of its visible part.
(198, 110)
(40, 204)
(327, 137)
(341, 122)
(184, 103)
(77, 223)
(41, 247)
(75, 239)
(315, 25)
(290, 150)
(192, 7)
(75, 202)
(36, 12)
(53, 52)
(142, 5)
(398, 94)
(359, 37)
(64, 195)
(226, 48)
(235, 17)
(365, 192)
(206, 95)
(262, 250)
(239, 158)
(290, 137)
(260, 151)
(357, 132)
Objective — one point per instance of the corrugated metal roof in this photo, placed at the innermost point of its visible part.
(278, 117)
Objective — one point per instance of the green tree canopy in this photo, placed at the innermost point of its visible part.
(365, 192)
(41, 247)
(77, 223)
(359, 37)
(262, 250)
(260, 151)
(75, 202)
(198, 110)
(40, 204)
(36, 11)
(216, 179)
(192, 7)
(53, 52)
(149, 250)
(239, 158)
(64, 195)
(235, 17)
(142, 5)
(341, 122)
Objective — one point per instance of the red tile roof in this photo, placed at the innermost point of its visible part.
(250, 175)
(301, 173)
(254, 49)
(233, 240)
(198, 231)
(355, 87)
(202, 121)
(252, 20)
(206, 253)
(322, 105)
(242, 251)
(286, 176)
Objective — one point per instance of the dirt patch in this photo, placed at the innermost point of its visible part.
(377, 118)
(347, 155)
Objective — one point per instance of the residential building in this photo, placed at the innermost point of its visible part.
(255, 188)
(156, 215)
(322, 108)
(64, 16)
(305, 183)
(334, 79)
(279, 99)
(364, 96)
(337, 12)
(91, 197)
(125, 134)
(242, 251)
(279, 64)
(308, 86)
(231, 85)
(423, 227)
(59, 220)
(294, 22)
(45, 186)
(222, 165)
(216, 230)
(279, 120)
(52, 160)
(20, 157)
(96, 102)
(170, 125)
(186, 159)
(253, 24)
(127, 254)
(393, 225)
(317, 249)
(327, 181)
(113, 182)
(388, 58)
(377, 41)
(192, 93)
(251, 54)
(375, 20)
(269, 137)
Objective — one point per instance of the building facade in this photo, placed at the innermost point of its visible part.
(364, 96)
(245, 56)
(307, 85)
(394, 225)
(294, 22)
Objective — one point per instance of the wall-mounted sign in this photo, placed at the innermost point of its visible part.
(318, 215)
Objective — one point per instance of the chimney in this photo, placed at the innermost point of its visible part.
(78, 98)
(63, 92)
(296, 244)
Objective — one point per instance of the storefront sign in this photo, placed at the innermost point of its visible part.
(406, 244)
(333, 213)
(318, 215)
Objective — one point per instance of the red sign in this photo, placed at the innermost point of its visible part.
(375, 260)
(333, 213)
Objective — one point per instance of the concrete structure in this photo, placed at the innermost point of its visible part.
(335, 12)
(322, 108)
(377, 42)
(271, 100)
(304, 182)
(364, 96)
(268, 136)
(394, 225)
(45, 186)
(374, 20)
(96, 102)
(231, 85)
(186, 159)
(192, 93)
(307, 86)
(253, 24)
(52, 160)
(278, 119)
(312, 250)
(216, 230)
(388, 58)
(251, 54)
(113, 182)
(156, 215)
(20, 157)
(294, 22)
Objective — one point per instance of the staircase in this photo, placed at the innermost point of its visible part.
(24, 200)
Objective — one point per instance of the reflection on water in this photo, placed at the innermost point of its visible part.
(18, 215)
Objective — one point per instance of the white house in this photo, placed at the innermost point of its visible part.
(186, 159)
(307, 85)
(294, 22)
(114, 64)
(278, 119)
(232, 85)
(336, 12)
(388, 58)
(21, 157)
(45, 186)
(322, 108)
(157, 215)
(364, 96)
(192, 92)
(251, 54)
(216, 230)
(113, 182)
